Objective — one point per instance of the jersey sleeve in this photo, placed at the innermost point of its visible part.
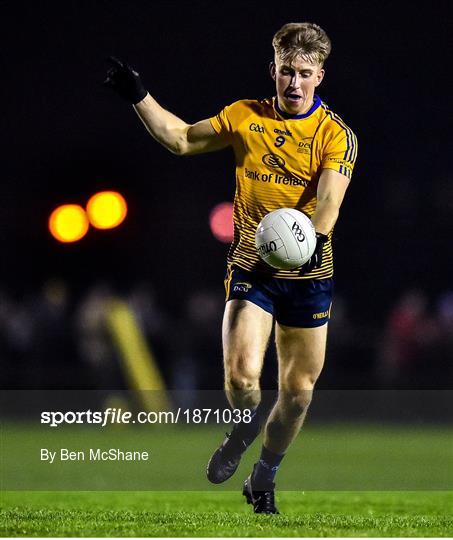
(226, 122)
(340, 153)
(221, 122)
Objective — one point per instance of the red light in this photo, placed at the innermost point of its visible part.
(221, 222)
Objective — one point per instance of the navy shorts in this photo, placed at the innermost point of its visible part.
(303, 303)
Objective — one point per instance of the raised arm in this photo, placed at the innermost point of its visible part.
(175, 134)
(166, 128)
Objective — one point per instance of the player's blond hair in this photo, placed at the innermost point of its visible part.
(301, 40)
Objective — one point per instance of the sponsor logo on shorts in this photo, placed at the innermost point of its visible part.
(321, 315)
(242, 286)
(256, 127)
(273, 160)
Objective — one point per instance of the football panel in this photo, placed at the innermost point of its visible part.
(305, 227)
(290, 240)
(286, 252)
(280, 258)
(271, 247)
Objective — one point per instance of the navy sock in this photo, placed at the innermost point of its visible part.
(266, 469)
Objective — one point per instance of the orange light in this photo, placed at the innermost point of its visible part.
(68, 223)
(221, 222)
(106, 209)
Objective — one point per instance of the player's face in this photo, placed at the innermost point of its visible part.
(295, 84)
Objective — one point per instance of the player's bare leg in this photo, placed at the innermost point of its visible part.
(245, 335)
(301, 353)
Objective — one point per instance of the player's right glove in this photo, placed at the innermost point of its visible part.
(315, 261)
(125, 81)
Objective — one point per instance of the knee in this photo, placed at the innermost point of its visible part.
(242, 378)
(297, 395)
(239, 382)
(293, 382)
(295, 405)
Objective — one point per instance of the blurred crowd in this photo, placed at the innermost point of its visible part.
(55, 339)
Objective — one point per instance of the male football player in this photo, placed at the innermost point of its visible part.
(291, 151)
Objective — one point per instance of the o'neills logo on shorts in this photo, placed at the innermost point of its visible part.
(321, 315)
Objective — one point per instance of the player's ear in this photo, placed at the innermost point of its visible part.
(319, 77)
(272, 69)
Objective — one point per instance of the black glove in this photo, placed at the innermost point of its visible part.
(315, 261)
(125, 81)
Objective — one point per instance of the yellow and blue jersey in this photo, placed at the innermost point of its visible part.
(279, 160)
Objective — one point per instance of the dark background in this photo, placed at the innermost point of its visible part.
(65, 137)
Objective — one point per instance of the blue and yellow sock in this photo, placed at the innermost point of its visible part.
(265, 470)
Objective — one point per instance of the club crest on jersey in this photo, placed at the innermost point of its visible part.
(304, 146)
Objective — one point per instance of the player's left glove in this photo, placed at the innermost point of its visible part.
(125, 81)
(315, 261)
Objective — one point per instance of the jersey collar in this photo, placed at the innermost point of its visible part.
(286, 116)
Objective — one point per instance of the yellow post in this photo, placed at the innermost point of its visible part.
(137, 359)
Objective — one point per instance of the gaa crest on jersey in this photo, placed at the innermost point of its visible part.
(257, 128)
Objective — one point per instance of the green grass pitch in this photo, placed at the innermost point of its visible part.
(198, 514)
(352, 479)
